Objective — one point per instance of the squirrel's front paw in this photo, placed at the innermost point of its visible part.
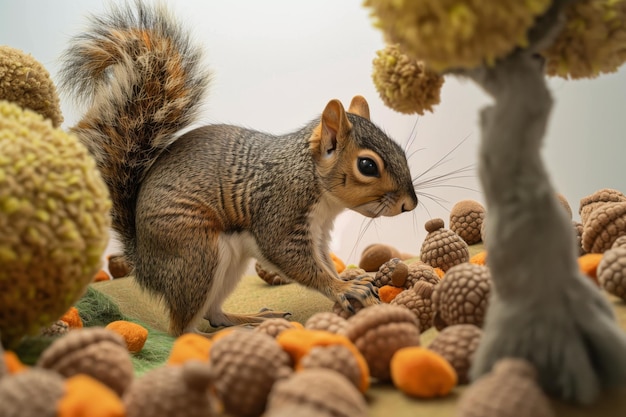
(356, 294)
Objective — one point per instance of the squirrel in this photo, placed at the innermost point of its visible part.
(191, 208)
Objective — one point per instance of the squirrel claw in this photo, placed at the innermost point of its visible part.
(361, 290)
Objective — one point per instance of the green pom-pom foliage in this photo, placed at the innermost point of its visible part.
(592, 42)
(453, 34)
(24, 81)
(405, 84)
(54, 221)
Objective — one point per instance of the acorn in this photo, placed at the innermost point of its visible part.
(462, 296)
(246, 364)
(418, 300)
(604, 225)
(375, 255)
(591, 202)
(334, 357)
(457, 345)
(119, 267)
(93, 351)
(172, 390)
(509, 390)
(466, 219)
(272, 327)
(379, 331)
(612, 271)
(58, 328)
(393, 272)
(442, 248)
(325, 320)
(316, 392)
(420, 271)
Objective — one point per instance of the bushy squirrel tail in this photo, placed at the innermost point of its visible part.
(142, 81)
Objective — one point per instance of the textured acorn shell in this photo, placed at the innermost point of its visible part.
(379, 331)
(462, 297)
(466, 220)
(603, 226)
(442, 248)
(457, 345)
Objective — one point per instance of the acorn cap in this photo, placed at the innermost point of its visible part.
(325, 320)
(246, 365)
(168, 390)
(591, 202)
(466, 219)
(612, 272)
(457, 345)
(509, 390)
(603, 226)
(272, 327)
(93, 351)
(336, 358)
(418, 300)
(462, 296)
(442, 248)
(34, 393)
(379, 331)
(329, 392)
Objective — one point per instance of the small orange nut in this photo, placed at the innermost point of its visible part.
(480, 258)
(339, 265)
(388, 292)
(420, 372)
(101, 276)
(134, 334)
(72, 318)
(299, 342)
(440, 272)
(87, 397)
(13, 363)
(588, 265)
(189, 346)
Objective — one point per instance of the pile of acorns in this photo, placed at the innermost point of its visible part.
(323, 368)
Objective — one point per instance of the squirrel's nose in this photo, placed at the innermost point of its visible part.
(408, 203)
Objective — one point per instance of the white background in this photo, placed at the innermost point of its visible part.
(276, 63)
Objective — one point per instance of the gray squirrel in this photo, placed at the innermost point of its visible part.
(191, 209)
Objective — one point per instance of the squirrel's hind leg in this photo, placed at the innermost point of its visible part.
(232, 259)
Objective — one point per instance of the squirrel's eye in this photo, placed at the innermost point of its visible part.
(367, 167)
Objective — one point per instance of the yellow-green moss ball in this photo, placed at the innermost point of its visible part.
(24, 81)
(54, 221)
(592, 42)
(452, 34)
(405, 84)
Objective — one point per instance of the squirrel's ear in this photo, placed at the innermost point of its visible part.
(335, 126)
(359, 106)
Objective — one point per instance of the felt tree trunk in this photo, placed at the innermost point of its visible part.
(542, 308)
